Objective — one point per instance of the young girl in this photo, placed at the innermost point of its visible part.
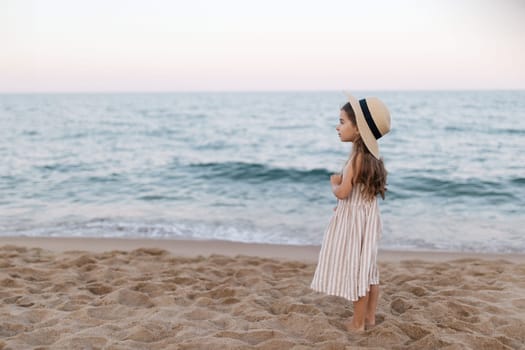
(347, 264)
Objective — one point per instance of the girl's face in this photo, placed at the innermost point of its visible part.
(346, 130)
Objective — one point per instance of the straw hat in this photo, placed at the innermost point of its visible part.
(373, 120)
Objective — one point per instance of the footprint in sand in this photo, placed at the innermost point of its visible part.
(519, 303)
(430, 341)
(41, 336)
(132, 298)
(251, 337)
(200, 314)
(10, 283)
(11, 329)
(99, 288)
(83, 260)
(152, 332)
(111, 312)
(35, 316)
(77, 342)
(220, 292)
(414, 331)
(223, 322)
(25, 301)
(399, 306)
(417, 291)
(284, 307)
(463, 312)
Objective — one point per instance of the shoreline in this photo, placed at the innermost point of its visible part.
(195, 248)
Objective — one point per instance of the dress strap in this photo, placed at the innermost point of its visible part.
(347, 165)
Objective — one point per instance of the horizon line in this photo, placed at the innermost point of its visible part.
(87, 92)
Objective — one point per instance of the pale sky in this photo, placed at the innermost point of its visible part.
(239, 45)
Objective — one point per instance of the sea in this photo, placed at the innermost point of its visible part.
(255, 167)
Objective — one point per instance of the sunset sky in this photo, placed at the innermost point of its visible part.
(204, 45)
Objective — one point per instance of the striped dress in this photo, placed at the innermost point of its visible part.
(347, 263)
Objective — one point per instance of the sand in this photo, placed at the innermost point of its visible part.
(147, 294)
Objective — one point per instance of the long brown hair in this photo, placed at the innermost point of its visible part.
(371, 172)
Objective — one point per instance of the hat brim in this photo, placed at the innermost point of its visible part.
(365, 132)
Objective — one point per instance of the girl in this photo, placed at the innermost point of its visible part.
(347, 264)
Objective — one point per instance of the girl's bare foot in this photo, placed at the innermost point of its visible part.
(370, 323)
(351, 328)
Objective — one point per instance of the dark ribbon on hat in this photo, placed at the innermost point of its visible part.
(368, 117)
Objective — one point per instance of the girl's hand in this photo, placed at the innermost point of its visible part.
(336, 179)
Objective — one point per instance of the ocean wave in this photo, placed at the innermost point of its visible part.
(518, 181)
(259, 173)
(449, 188)
(518, 132)
(236, 230)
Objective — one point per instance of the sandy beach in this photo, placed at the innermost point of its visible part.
(59, 293)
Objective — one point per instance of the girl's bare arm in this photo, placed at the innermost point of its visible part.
(342, 190)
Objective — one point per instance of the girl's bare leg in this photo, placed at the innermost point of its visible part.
(358, 320)
(373, 296)
(364, 311)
